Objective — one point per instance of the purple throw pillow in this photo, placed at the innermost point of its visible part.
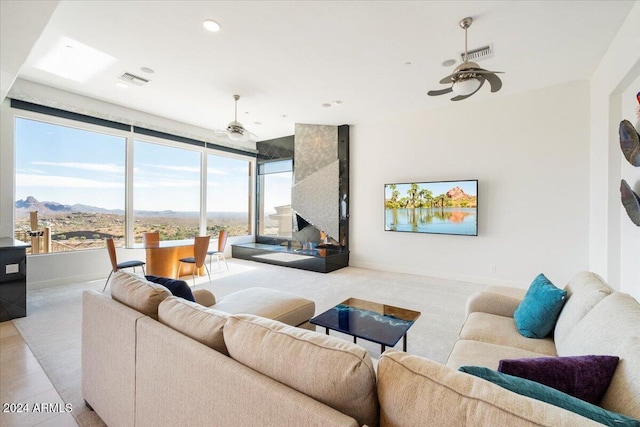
(584, 377)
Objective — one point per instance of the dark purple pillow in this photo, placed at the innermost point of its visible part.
(584, 377)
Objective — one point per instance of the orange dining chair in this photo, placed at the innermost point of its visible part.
(222, 242)
(200, 247)
(151, 239)
(115, 266)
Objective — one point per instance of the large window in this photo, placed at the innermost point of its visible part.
(166, 191)
(89, 179)
(228, 181)
(75, 180)
(274, 198)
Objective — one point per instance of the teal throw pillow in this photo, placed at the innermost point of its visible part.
(537, 313)
(551, 396)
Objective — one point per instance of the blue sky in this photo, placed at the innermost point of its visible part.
(436, 188)
(68, 165)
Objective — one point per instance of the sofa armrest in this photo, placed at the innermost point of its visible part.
(495, 300)
(204, 297)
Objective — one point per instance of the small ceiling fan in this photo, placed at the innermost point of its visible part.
(235, 131)
(467, 78)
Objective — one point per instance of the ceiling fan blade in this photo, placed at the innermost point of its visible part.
(439, 92)
(494, 81)
(461, 97)
(446, 80)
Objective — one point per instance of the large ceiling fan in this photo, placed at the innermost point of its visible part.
(467, 78)
(235, 131)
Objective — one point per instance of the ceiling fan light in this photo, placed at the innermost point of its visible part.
(236, 135)
(465, 87)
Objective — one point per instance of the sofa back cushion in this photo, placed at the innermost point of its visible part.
(195, 321)
(584, 291)
(333, 371)
(137, 293)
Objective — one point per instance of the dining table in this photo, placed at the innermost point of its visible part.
(162, 258)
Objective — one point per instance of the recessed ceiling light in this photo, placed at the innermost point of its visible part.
(407, 64)
(284, 116)
(147, 70)
(122, 85)
(326, 105)
(448, 62)
(337, 102)
(211, 25)
(257, 123)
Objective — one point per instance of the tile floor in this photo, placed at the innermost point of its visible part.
(24, 383)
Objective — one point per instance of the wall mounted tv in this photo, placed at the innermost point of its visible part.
(440, 207)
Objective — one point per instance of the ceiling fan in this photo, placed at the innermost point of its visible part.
(467, 78)
(235, 131)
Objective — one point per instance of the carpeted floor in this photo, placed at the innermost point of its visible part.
(52, 328)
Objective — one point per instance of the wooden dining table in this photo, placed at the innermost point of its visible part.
(162, 258)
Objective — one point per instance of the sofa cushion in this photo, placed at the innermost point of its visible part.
(623, 394)
(331, 370)
(414, 391)
(502, 331)
(584, 377)
(584, 291)
(195, 321)
(270, 303)
(137, 293)
(552, 396)
(604, 327)
(537, 313)
(178, 288)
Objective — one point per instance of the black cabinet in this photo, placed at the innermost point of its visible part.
(13, 279)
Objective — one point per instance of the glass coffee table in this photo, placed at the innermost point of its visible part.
(379, 323)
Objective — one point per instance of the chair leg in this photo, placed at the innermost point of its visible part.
(208, 273)
(107, 282)
(225, 262)
(144, 273)
(193, 275)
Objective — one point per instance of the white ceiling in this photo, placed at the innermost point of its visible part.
(288, 58)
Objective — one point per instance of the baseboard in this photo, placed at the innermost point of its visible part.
(63, 281)
(439, 274)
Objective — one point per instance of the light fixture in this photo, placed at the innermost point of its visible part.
(465, 87)
(122, 85)
(211, 25)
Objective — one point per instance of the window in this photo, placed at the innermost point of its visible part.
(274, 198)
(166, 191)
(75, 180)
(228, 181)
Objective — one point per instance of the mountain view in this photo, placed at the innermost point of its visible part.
(78, 226)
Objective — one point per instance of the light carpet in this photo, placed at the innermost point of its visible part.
(52, 328)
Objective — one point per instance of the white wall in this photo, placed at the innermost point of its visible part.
(530, 153)
(614, 76)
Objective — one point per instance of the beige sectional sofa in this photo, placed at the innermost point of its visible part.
(594, 320)
(153, 359)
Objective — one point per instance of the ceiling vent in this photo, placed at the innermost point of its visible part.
(133, 79)
(479, 54)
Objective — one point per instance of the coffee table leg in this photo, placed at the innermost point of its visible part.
(404, 342)
(382, 348)
(354, 339)
(326, 331)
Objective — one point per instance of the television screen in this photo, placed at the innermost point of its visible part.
(441, 207)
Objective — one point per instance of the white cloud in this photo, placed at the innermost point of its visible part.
(96, 167)
(27, 180)
(176, 183)
(195, 169)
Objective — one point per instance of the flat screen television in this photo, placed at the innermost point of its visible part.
(439, 207)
